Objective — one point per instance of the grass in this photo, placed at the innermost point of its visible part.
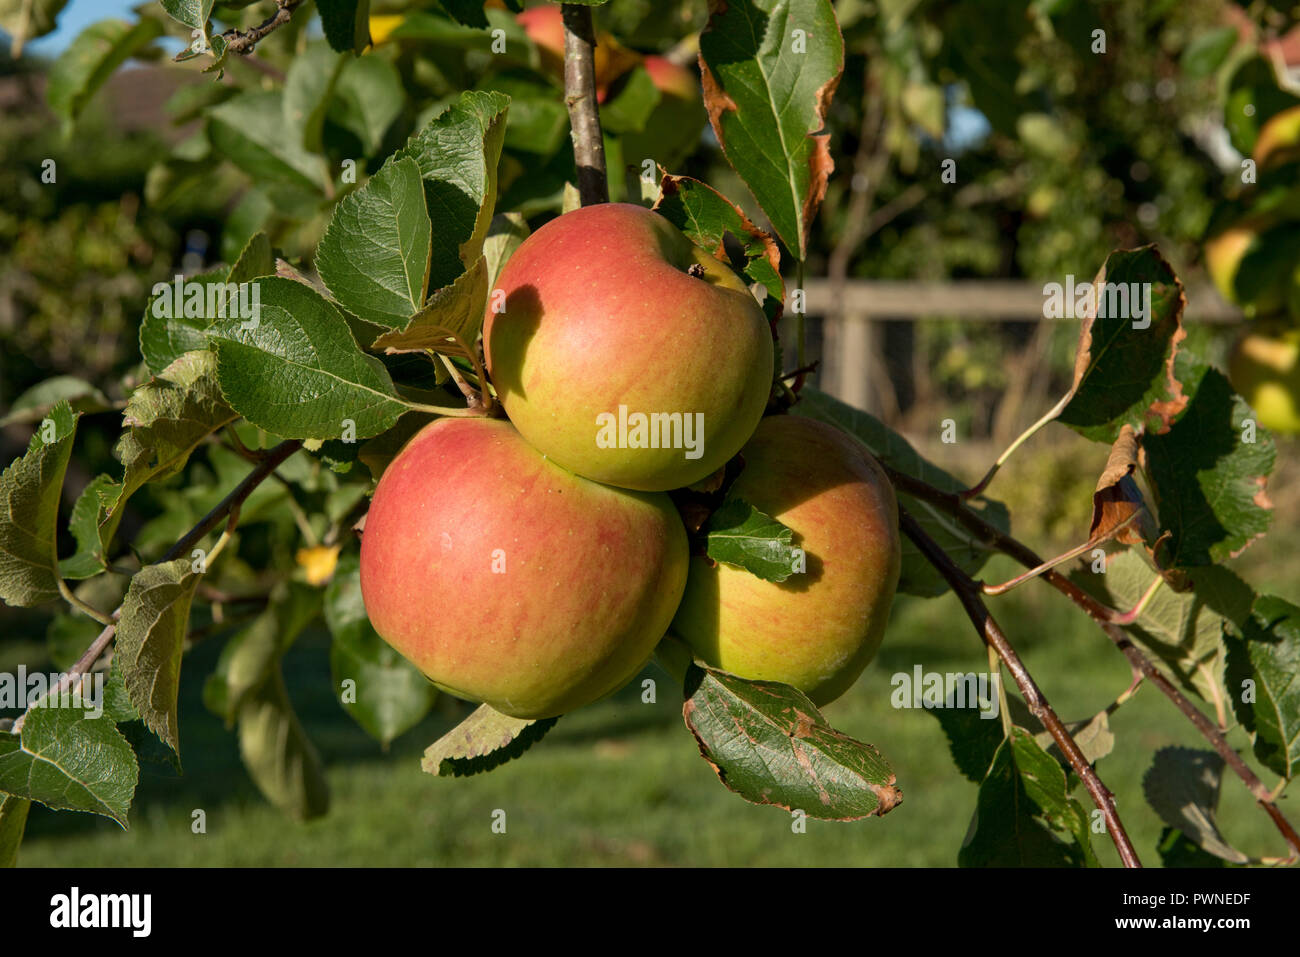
(621, 782)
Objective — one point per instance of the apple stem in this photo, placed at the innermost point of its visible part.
(580, 98)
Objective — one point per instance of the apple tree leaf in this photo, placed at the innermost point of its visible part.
(374, 256)
(451, 321)
(249, 129)
(770, 68)
(277, 753)
(918, 576)
(368, 97)
(1208, 473)
(36, 403)
(506, 233)
(1024, 816)
(298, 373)
(150, 640)
(741, 535)
(69, 762)
(457, 152)
(308, 87)
(1265, 649)
(346, 24)
(91, 58)
(768, 743)
(1182, 785)
(13, 822)
(88, 560)
(29, 512)
(387, 695)
(483, 741)
(169, 329)
(707, 218)
(192, 13)
(256, 260)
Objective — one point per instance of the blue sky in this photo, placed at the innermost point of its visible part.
(76, 16)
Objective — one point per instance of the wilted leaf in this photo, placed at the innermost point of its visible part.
(1118, 499)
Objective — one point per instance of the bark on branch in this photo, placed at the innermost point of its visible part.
(580, 98)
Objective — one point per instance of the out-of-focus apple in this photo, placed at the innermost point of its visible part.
(1265, 368)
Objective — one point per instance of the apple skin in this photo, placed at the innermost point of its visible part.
(1265, 368)
(599, 312)
(591, 577)
(819, 629)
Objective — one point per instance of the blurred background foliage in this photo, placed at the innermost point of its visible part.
(1064, 149)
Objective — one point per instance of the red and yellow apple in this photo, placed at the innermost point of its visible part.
(624, 352)
(507, 580)
(819, 628)
(1265, 368)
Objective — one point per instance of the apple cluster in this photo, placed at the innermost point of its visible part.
(535, 564)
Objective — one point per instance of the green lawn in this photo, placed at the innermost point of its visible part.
(621, 782)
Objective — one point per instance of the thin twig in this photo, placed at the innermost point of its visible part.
(1107, 618)
(580, 98)
(967, 590)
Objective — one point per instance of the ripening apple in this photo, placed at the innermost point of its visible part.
(626, 353)
(1265, 368)
(1240, 261)
(507, 580)
(819, 628)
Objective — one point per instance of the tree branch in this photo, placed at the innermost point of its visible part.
(1108, 619)
(968, 591)
(580, 98)
(243, 41)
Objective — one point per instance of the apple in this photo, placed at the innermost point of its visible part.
(626, 353)
(818, 629)
(544, 25)
(1278, 142)
(1265, 368)
(507, 580)
(674, 126)
(1241, 261)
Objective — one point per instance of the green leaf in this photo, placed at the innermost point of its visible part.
(973, 741)
(387, 695)
(1267, 645)
(253, 653)
(29, 512)
(368, 97)
(88, 560)
(150, 641)
(631, 108)
(374, 256)
(741, 535)
(26, 20)
(308, 86)
(707, 218)
(1207, 52)
(35, 404)
(299, 373)
(192, 13)
(1124, 367)
(468, 12)
(1183, 631)
(980, 44)
(277, 753)
(451, 321)
(173, 322)
(539, 123)
(768, 743)
(767, 89)
(69, 762)
(506, 233)
(167, 418)
(1182, 785)
(13, 821)
(1177, 851)
(255, 261)
(457, 152)
(346, 24)
(1024, 811)
(1207, 473)
(485, 740)
(90, 59)
(918, 576)
(249, 129)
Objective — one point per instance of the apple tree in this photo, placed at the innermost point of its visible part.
(378, 169)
